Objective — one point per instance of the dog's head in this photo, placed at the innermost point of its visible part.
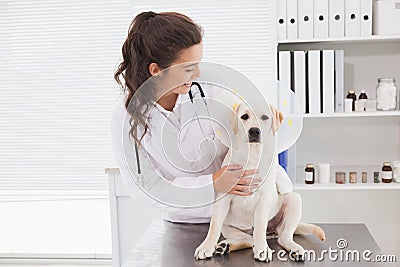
(252, 123)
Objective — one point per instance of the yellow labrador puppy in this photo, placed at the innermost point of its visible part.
(248, 221)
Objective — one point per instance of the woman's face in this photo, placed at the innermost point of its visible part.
(189, 64)
(182, 72)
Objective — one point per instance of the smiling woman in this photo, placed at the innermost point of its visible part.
(147, 51)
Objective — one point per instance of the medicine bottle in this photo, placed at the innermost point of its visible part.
(309, 174)
(376, 177)
(353, 177)
(387, 173)
(364, 177)
(340, 177)
(353, 96)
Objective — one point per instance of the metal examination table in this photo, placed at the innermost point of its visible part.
(168, 244)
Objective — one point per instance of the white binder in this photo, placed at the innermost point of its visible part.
(305, 17)
(352, 25)
(291, 15)
(339, 81)
(299, 58)
(284, 82)
(336, 18)
(314, 82)
(281, 19)
(328, 81)
(321, 24)
(366, 17)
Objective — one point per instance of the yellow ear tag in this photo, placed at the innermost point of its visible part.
(290, 122)
(234, 106)
(218, 132)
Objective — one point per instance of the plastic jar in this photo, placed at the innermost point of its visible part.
(386, 94)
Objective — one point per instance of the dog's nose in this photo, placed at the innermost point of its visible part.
(254, 131)
(254, 135)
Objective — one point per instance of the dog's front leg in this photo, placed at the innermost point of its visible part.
(207, 247)
(261, 249)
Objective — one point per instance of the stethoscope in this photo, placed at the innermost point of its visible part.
(200, 91)
(192, 100)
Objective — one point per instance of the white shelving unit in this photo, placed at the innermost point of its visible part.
(355, 114)
(354, 139)
(348, 186)
(373, 39)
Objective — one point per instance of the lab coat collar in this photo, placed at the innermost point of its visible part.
(159, 113)
(183, 112)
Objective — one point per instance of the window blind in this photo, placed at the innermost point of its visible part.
(57, 92)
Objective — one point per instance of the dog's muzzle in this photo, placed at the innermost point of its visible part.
(254, 135)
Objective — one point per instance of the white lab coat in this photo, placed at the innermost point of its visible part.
(181, 185)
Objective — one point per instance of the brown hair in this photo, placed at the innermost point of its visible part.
(152, 37)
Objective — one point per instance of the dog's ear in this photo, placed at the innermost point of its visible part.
(277, 118)
(234, 118)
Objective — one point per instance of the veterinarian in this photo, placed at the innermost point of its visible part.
(157, 41)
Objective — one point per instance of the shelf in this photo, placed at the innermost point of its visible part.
(355, 114)
(362, 39)
(358, 186)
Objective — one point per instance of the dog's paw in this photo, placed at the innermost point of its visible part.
(204, 251)
(222, 248)
(297, 253)
(263, 253)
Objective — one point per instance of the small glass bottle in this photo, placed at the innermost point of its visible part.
(363, 98)
(386, 94)
(376, 177)
(353, 177)
(364, 177)
(340, 177)
(387, 173)
(351, 94)
(309, 174)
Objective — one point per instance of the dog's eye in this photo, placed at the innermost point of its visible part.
(245, 117)
(264, 117)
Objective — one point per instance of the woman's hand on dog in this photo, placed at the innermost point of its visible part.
(232, 179)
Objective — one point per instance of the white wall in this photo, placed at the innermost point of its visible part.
(59, 228)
